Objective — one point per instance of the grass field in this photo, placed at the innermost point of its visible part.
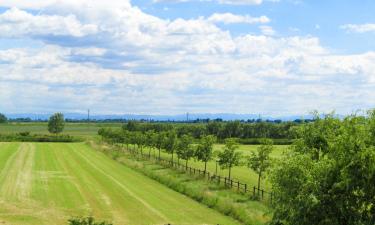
(43, 183)
(78, 129)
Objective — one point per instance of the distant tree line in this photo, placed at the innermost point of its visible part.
(222, 130)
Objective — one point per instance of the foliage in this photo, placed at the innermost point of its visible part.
(86, 221)
(170, 142)
(204, 149)
(27, 137)
(185, 150)
(329, 176)
(260, 160)
(229, 157)
(56, 123)
(3, 118)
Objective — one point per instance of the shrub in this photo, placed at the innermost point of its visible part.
(86, 221)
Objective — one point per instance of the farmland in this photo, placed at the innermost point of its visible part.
(49, 183)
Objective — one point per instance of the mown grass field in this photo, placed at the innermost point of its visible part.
(47, 183)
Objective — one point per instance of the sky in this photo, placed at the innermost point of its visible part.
(269, 57)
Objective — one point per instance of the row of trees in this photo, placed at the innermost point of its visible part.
(222, 130)
(185, 148)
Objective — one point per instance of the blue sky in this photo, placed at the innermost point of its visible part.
(271, 57)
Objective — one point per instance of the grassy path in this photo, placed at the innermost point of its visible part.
(43, 183)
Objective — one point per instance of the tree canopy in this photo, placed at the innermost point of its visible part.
(56, 123)
(329, 176)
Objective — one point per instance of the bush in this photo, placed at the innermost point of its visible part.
(27, 137)
(86, 221)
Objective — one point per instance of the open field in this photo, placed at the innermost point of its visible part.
(48, 183)
(78, 129)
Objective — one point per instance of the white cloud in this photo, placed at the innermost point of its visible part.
(229, 18)
(267, 30)
(15, 23)
(138, 63)
(359, 28)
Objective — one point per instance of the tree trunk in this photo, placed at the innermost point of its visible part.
(159, 153)
(205, 166)
(186, 163)
(259, 176)
(230, 169)
(172, 159)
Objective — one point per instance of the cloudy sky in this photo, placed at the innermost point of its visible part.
(271, 57)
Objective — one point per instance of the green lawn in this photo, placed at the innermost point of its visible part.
(42, 183)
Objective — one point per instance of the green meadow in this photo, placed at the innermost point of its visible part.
(48, 183)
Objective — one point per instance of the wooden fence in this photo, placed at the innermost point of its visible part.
(253, 191)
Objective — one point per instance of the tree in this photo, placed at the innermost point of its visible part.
(335, 187)
(185, 149)
(3, 118)
(204, 149)
(56, 123)
(229, 157)
(149, 141)
(260, 160)
(158, 141)
(170, 142)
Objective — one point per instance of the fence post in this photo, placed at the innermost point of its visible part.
(231, 183)
(219, 179)
(208, 175)
(254, 191)
(245, 188)
(238, 185)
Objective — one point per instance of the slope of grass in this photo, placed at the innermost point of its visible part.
(237, 205)
(47, 183)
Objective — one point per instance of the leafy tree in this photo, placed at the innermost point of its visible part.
(229, 157)
(158, 141)
(260, 160)
(204, 149)
(185, 149)
(170, 142)
(335, 187)
(56, 123)
(149, 141)
(131, 125)
(140, 140)
(3, 118)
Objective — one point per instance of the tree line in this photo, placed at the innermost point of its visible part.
(187, 148)
(222, 130)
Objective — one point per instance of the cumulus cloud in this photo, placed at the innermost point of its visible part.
(16, 23)
(133, 62)
(359, 28)
(229, 18)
